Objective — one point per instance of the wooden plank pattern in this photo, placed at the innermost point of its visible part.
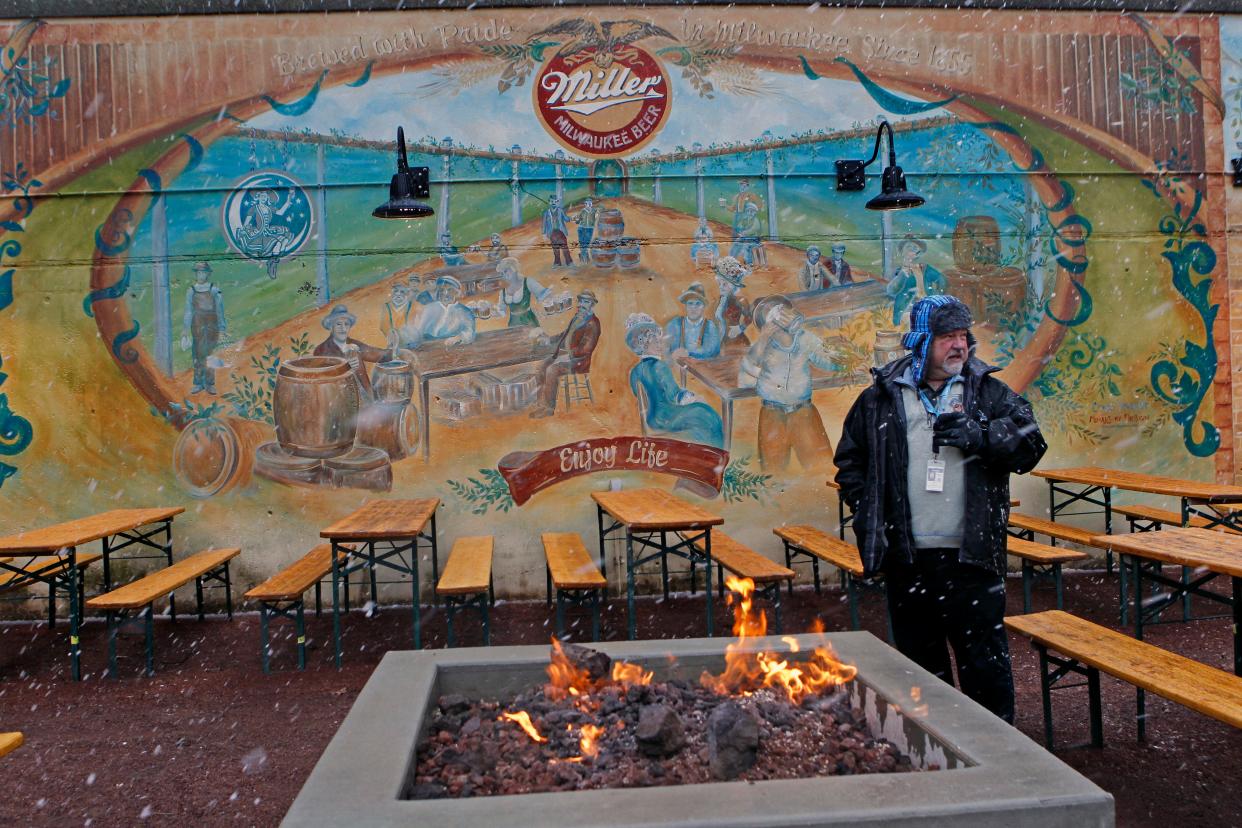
(1052, 529)
(743, 561)
(570, 563)
(83, 530)
(47, 567)
(384, 520)
(1220, 552)
(1198, 686)
(161, 582)
(10, 742)
(1149, 483)
(646, 509)
(1040, 553)
(289, 583)
(824, 546)
(469, 567)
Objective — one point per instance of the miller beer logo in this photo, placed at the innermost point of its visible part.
(602, 101)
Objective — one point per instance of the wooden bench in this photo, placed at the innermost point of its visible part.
(48, 570)
(1041, 561)
(745, 562)
(467, 580)
(574, 574)
(281, 596)
(10, 742)
(819, 546)
(141, 595)
(1028, 526)
(1151, 518)
(1089, 649)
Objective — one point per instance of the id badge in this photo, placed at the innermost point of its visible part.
(935, 474)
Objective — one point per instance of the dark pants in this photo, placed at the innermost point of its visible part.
(560, 246)
(938, 601)
(584, 243)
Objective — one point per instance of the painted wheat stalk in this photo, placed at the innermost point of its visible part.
(454, 78)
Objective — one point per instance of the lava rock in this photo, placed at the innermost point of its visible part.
(598, 666)
(428, 790)
(454, 703)
(732, 740)
(660, 731)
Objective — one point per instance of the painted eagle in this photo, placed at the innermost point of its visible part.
(603, 38)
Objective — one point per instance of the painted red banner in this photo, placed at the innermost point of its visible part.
(699, 468)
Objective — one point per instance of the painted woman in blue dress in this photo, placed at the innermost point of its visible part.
(670, 409)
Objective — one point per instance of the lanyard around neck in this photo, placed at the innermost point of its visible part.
(936, 409)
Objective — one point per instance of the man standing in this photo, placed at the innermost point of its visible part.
(202, 325)
(586, 229)
(924, 461)
(778, 367)
(573, 353)
(839, 267)
(554, 221)
(339, 343)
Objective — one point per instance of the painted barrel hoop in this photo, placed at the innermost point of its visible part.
(393, 381)
(604, 254)
(392, 426)
(629, 253)
(215, 454)
(610, 224)
(315, 406)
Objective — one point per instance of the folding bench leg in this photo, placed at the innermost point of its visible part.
(719, 580)
(664, 565)
(1045, 689)
(318, 599)
(484, 607)
(1097, 714)
(113, 629)
(301, 636)
(263, 637)
(560, 614)
(1056, 577)
(150, 637)
(449, 608)
(547, 596)
(815, 570)
(788, 566)
(51, 605)
(198, 596)
(1028, 575)
(1141, 713)
(1123, 588)
(228, 591)
(852, 591)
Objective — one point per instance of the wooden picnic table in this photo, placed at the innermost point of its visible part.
(382, 533)
(1095, 485)
(489, 350)
(476, 277)
(648, 517)
(838, 302)
(1211, 554)
(116, 529)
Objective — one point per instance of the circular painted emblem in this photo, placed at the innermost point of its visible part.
(603, 102)
(267, 216)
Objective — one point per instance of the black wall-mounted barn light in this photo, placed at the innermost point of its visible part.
(852, 177)
(407, 187)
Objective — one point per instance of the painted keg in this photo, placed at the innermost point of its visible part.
(392, 381)
(976, 244)
(315, 406)
(887, 347)
(214, 454)
(628, 253)
(604, 254)
(610, 224)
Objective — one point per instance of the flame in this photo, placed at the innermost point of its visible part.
(630, 674)
(791, 642)
(523, 720)
(564, 678)
(747, 670)
(590, 740)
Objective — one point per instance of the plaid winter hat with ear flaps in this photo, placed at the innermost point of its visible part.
(931, 317)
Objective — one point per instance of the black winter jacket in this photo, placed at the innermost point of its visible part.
(872, 458)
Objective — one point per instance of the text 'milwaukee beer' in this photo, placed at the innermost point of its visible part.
(602, 102)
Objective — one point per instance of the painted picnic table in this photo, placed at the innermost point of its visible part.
(648, 517)
(116, 529)
(385, 533)
(489, 350)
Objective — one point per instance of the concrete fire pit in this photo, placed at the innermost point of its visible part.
(990, 772)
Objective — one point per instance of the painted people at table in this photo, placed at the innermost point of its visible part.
(339, 322)
(518, 293)
(704, 250)
(396, 313)
(496, 249)
(694, 334)
(201, 326)
(448, 251)
(814, 273)
(555, 220)
(839, 267)
(742, 199)
(778, 366)
(419, 294)
(733, 311)
(913, 280)
(746, 241)
(667, 407)
(585, 219)
(446, 319)
(572, 355)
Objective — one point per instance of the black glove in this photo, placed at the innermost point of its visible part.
(957, 430)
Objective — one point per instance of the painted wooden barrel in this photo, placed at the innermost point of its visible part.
(362, 467)
(887, 347)
(391, 426)
(215, 454)
(274, 463)
(976, 244)
(1008, 285)
(315, 405)
(628, 253)
(393, 381)
(610, 224)
(604, 253)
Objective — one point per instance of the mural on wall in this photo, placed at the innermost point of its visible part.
(637, 247)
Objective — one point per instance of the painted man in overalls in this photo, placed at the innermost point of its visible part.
(202, 325)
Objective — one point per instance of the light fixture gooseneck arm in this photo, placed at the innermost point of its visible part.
(403, 164)
(892, 149)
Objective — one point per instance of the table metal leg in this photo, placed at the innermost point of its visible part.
(435, 556)
(1108, 528)
(75, 615)
(599, 521)
(424, 394)
(1237, 625)
(418, 612)
(630, 621)
(336, 603)
(707, 593)
(1136, 572)
(105, 542)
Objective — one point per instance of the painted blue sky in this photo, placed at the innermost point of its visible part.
(481, 117)
(1231, 82)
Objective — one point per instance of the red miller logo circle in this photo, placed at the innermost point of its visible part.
(601, 102)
